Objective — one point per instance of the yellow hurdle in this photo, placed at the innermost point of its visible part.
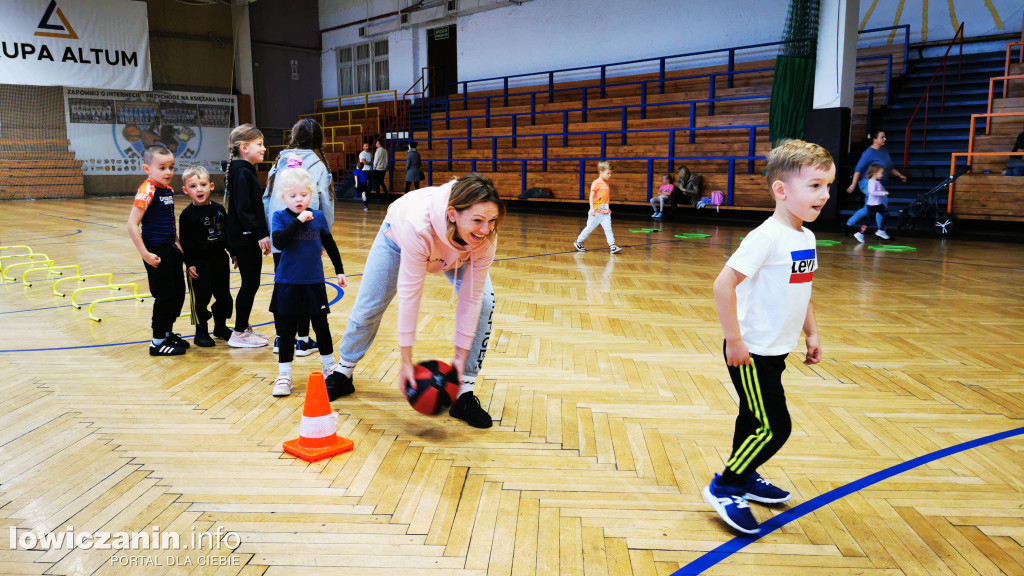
(31, 256)
(16, 247)
(52, 270)
(134, 287)
(95, 318)
(45, 265)
(109, 276)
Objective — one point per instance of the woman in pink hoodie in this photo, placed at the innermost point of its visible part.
(450, 230)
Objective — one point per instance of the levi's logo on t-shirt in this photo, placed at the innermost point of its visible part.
(802, 269)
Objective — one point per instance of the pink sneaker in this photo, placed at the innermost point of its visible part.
(247, 339)
(260, 334)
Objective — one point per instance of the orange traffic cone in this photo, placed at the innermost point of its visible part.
(318, 438)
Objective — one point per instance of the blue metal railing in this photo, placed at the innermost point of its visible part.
(662, 64)
(582, 161)
(623, 109)
(584, 89)
(751, 141)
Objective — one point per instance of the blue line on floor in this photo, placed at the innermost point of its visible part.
(78, 220)
(337, 297)
(77, 231)
(721, 553)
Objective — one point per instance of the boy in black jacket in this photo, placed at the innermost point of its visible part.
(204, 241)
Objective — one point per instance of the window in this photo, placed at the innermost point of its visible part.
(363, 68)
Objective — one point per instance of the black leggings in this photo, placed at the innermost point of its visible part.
(214, 281)
(763, 424)
(167, 285)
(303, 321)
(286, 325)
(878, 209)
(250, 266)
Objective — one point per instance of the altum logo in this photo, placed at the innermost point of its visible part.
(50, 30)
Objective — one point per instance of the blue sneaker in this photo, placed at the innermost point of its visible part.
(760, 490)
(731, 506)
(305, 347)
(277, 340)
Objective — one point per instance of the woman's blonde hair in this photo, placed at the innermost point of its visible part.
(290, 178)
(468, 191)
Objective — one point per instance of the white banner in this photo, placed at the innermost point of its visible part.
(82, 43)
(109, 129)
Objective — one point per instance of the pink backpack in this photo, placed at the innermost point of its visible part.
(716, 199)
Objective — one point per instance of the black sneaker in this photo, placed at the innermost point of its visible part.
(338, 385)
(165, 349)
(222, 332)
(468, 409)
(176, 340)
(203, 340)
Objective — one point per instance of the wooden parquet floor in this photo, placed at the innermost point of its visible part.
(613, 403)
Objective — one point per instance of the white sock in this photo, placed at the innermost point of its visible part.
(303, 338)
(468, 383)
(346, 368)
(158, 341)
(327, 362)
(284, 369)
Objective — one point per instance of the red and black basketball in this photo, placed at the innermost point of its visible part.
(436, 387)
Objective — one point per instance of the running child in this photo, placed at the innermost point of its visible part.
(763, 299)
(599, 212)
(875, 204)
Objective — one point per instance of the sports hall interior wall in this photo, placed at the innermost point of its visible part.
(553, 34)
(190, 50)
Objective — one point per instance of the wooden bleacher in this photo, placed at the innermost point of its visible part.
(631, 176)
(35, 156)
(993, 196)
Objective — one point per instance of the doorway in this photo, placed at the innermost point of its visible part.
(443, 56)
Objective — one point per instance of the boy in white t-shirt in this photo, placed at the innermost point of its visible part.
(763, 299)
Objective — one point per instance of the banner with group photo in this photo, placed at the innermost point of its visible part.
(109, 129)
(81, 43)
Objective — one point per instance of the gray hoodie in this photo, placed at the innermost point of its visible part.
(321, 176)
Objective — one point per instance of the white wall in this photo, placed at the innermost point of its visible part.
(543, 35)
(552, 34)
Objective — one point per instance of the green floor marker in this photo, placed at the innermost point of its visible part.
(643, 230)
(828, 242)
(690, 236)
(892, 248)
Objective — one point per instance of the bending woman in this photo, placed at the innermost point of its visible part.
(450, 230)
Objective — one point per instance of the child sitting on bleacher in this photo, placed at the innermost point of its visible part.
(664, 193)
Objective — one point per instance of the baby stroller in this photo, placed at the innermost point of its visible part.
(925, 213)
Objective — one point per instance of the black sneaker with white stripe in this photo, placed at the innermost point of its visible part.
(176, 340)
(165, 349)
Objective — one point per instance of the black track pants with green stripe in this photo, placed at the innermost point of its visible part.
(763, 424)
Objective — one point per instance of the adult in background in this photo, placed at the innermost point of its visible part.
(380, 168)
(687, 189)
(413, 173)
(366, 157)
(1015, 165)
(874, 154)
(451, 230)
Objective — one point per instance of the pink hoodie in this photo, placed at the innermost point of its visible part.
(419, 225)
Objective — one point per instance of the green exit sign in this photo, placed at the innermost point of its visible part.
(441, 33)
